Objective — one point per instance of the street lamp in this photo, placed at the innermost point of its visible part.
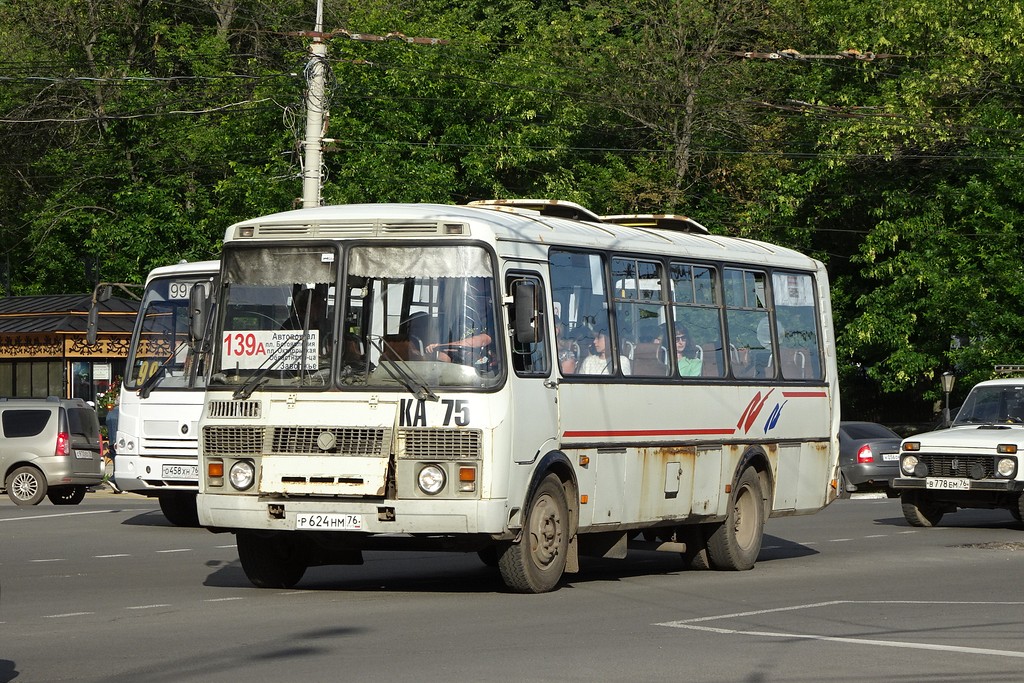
(948, 380)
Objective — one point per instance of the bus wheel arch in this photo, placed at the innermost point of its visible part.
(545, 547)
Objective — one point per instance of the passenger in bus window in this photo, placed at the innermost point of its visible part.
(599, 362)
(568, 351)
(689, 362)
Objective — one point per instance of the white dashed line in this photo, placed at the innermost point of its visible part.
(176, 550)
(65, 616)
(103, 557)
(839, 540)
(64, 514)
(691, 624)
(222, 599)
(52, 559)
(147, 606)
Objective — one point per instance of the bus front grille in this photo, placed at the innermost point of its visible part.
(355, 441)
(439, 444)
(227, 441)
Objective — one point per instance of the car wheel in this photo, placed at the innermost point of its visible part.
(66, 495)
(26, 486)
(843, 491)
(919, 510)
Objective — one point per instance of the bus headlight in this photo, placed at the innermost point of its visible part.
(1006, 467)
(431, 479)
(908, 463)
(242, 474)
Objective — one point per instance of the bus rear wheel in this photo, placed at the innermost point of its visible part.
(180, 509)
(537, 562)
(270, 560)
(735, 544)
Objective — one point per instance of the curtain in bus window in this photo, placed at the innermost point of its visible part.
(796, 328)
(262, 267)
(403, 262)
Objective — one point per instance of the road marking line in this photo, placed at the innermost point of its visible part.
(63, 514)
(691, 624)
(233, 545)
(69, 614)
(52, 559)
(146, 606)
(877, 536)
(114, 555)
(176, 550)
(860, 641)
(222, 599)
(839, 540)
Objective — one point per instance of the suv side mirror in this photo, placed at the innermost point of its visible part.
(527, 313)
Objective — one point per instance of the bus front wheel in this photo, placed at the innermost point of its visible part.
(537, 562)
(180, 509)
(270, 560)
(734, 545)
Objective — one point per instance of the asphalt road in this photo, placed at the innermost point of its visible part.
(109, 591)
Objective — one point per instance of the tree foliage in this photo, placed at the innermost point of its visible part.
(883, 138)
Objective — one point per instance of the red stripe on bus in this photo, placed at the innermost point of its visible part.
(651, 432)
(804, 394)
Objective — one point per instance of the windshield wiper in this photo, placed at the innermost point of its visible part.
(403, 375)
(147, 387)
(259, 377)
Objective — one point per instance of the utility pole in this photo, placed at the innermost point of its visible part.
(316, 104)
(316, 99)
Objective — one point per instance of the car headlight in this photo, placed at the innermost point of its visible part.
(242, 474)
(908, 463)
(1006, 467)
(431, 479)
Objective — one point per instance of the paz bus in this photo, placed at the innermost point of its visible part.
(161, 397)
(391, 376)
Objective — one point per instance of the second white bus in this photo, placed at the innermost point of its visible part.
(531, 387)
(161, 397)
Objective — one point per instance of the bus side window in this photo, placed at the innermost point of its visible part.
(529, 358)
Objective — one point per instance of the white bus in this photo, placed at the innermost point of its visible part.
(157, 441)
(410, 376)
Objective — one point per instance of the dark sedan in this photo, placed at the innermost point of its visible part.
(869, 458)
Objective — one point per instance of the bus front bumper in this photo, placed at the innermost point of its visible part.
(229, 512)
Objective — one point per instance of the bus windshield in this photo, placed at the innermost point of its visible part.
(409, 319)
(161, 355)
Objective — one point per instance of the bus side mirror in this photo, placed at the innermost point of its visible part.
(198, 308)
(92, 326)
(527, 313)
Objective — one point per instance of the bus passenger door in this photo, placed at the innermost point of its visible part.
(533, 355)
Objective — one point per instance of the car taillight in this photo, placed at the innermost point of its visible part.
(864, 454)
(63, 443)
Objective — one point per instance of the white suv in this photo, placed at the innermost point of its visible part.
(973, 464)
(49, 447)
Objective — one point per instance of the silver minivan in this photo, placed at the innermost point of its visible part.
(49, 447)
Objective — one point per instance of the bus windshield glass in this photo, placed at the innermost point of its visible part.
(410, 319)
(161, 355)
